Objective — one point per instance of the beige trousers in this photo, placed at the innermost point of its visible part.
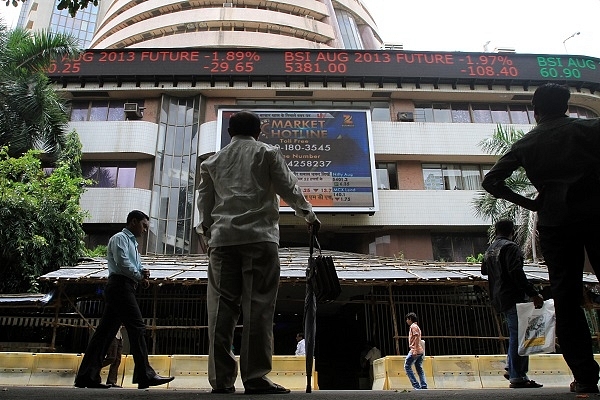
(241, 279)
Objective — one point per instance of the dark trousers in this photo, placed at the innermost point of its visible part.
(113, 358)
(563, 249)
(121, 307)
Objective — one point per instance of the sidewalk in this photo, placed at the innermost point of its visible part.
(72, 393)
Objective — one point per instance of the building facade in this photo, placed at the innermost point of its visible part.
(149, 100)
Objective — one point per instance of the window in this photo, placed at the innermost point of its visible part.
(380, 110)
(109, 175)
(456, 247)
(518, 114)
(460, 113)
(454, 176)
(500, 114)
(349, 30)
(580, 112)
(100, 110)
(483, 113)
(389, 178)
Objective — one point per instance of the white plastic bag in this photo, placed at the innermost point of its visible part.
(536, 328)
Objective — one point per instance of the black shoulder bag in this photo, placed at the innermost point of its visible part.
(322, 275)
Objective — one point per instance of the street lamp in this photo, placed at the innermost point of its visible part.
(565, 41)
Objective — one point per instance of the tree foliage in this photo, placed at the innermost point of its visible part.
(487, 206)
(40, 217)
(72, 5)
(32, 113)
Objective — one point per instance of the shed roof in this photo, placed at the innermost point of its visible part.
(352, 269)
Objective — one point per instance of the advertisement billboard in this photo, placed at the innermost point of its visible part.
(330, 151)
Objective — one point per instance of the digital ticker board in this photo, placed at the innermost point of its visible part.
(329, 151)
(205, 62)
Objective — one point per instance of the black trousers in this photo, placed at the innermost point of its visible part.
(563, 249)
(121, 307)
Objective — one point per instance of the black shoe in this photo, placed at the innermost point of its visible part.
(87, 383)
(271, 389)
(155, 381)
(507, 376)
(223, 390)
(114, 385)
(577, 387)
(526, 385)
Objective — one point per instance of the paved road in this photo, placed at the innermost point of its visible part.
(71, 393)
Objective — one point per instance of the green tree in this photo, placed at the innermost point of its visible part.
(40, 217)
(72, 5)
(32, 114)
(487, 206)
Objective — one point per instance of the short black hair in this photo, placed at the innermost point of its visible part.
(504, 227)
(244, 123)
(412, 316)
(300, 334)
(551, 99)
(138, 215)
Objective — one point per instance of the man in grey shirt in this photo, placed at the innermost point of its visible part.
(239, 215)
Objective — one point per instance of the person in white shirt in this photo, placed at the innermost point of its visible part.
(239, 215)
(373, 354)
(300, 348)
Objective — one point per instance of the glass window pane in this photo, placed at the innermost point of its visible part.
(380, 114)
(79, 111)
(481, 113)
(115, 111)
(500, 114)
(452, 177)
(460, 113)
(107, 177)
(518, 114)
(169, 139)
(99, 111)
(432, 177)
(90, 171)
(441, 113)
(471, 177)
(442, 247)
(126, 177)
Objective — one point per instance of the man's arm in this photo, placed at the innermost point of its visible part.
(206, 201)
(494, 182)
(514, 265)
(121, 254)
(286, 186)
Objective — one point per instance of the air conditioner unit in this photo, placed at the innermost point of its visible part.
(227, 4)
(133, 110)
(406, 116)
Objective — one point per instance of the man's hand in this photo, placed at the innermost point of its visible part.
(538, 301)
(145, 278)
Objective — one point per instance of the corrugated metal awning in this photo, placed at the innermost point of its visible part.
(352, 269)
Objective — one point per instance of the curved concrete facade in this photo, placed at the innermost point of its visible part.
(247, 23)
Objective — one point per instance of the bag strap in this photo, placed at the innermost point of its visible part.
(313, 241)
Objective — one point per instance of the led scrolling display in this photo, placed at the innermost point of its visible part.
(357, 63)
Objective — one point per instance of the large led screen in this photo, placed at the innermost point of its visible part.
(330, 151)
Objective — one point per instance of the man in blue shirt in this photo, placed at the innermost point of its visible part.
(125, 271)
